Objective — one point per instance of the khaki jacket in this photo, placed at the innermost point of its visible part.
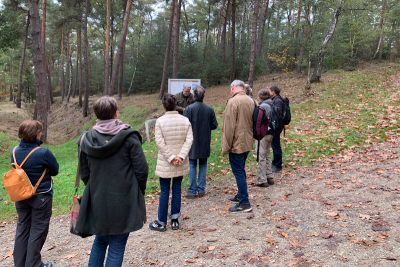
(183, 102)
(174, 138)
(237, 130)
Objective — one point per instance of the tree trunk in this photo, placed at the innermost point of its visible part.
(177, 22)
(137, 58)
(381, 23)
(111, 51)
(62, 65)
(68, 89)
(220, 24)
(168, 48)
(241, 31)
(76, 71)
(233, 31)
(107, 54)
(223, 36)
(316, 77)
(187, 24)
(121, 68)
(80, 66)
(208, 28)
(86, 48)
(304, 38)
(40, 74)
(253, 43)
(25, 93)
(21, 64)
(121, 45)
(261, 30)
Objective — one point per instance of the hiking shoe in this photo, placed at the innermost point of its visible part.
(49, 264)
(275, 169)
(270, 181)
(201, 194)
(234, 199)
(241, 207)
(190, 196)
(156, 226)
(262, 185)
(174, 224)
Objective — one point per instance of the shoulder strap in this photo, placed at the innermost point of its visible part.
(15, 161)
(78, 170)
(40, 179)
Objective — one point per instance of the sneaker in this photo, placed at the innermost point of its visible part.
(241, 207)
(190, 196)
(156, 226)
(270, 181)
(201, 194)
(174, 224)
(49, 264)
(262, 185)
(234, 199)
(275, 169)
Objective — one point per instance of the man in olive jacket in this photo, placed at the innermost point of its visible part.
(202, 118)
(184, 98)
(237, 140)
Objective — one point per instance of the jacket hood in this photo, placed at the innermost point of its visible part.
(100, 145)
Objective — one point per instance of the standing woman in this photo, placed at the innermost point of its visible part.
(33, 213)
(174, 138)
(114, 170)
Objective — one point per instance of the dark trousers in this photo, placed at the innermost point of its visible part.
(276, 148)
(32, 228)
(116, 247)
(238, 162)
(165, 184)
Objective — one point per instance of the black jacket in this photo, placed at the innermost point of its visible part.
(202, 118)
(35, 164)
(114, 170)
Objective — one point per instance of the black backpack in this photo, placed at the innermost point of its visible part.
(287, 115)
(260, 124)
(276, 122)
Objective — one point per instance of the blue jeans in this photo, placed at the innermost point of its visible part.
(165, 184)
(116, 248)
(194, 187)
(276, 148)
(238, 162)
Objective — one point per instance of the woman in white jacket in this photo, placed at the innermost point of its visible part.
(174, 138)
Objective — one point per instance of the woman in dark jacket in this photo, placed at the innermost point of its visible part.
(33, 213)
(114, 170)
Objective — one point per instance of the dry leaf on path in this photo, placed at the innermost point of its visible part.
(285, 235)
(190, 261)
(70, 256)
(272, 242)
(208, 230)
(9, 254)
(151, 262)
(211, 248)
(364, 216)
(331, 214)
(291, 264)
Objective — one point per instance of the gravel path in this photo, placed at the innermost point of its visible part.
(343, 211)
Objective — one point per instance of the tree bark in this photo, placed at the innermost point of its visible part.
(233, 31)
(220, 24)
(261, 30)
(253, 43)
(21, 64)
(177, 22)
(62, 65)
(86, 102)
(25, 93)
(137, 58)
(168, 48)
(316, 77)
(121, 45)
(68, 89)
(223, 36)
(381, 23)
(80, 66)
(300, 60)
(121, 66)
(40, 74)
(241, 31)
(208, 28)
(107, 54)
(76, 71)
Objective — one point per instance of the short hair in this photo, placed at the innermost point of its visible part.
(169, 102)
(248, 89)
(28, 130)
(264, 94)
(187, 85)
(237, 83)
(199, 92)
(275, 88)
(105, 108)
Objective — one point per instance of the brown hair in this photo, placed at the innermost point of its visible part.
(169, 102)
(105, 108)
(28, 130)
(264, 94)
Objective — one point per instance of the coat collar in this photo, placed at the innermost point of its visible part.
(171, 112)
(201, 101)
(30, 144)
(239, 93)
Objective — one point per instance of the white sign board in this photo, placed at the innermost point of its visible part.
(176, 85)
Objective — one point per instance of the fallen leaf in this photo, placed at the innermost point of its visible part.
(226, 208)
(364, 216)
(70, 256)
(9, 254)
(175, 235)
(389, 258)
(272, 242)
(285, 235)
(151, 262)
(210, 248)
(236, 222)
(50, 248)
(314, 234)
(326, 235)
(331, 214)
(291, 264)
(208, 230)
(190, 261)
(251, 216)
(186, 218)
(279, 218)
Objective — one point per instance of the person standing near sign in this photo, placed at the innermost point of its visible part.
(184, 98)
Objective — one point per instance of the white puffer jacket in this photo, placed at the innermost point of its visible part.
(174, 138)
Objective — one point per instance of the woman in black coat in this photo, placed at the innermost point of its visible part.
(114, 170)
(33, 213)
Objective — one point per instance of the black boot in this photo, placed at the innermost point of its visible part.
(174, 224)
(270, 181)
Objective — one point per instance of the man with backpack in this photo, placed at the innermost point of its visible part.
(277, 101)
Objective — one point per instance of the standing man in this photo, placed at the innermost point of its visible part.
(202, 118)
(277, 101)
(237, 140)
(184, 98)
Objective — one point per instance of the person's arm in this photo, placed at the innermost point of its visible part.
(179, 109)
(139, 163)
(162, 147)
(187, 144)
(51, 163)
(187, 114)
(85, 171)
(228, 128)
(214, 122)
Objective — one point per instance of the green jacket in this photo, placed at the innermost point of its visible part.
(114, 171)
(183, 101)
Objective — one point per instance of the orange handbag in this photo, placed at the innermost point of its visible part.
(17, 183)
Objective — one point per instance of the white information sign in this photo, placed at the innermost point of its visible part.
(176, 85)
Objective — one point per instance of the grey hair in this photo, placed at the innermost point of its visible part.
(199, 93)
(187, 85)
(248, 89)
(237, 83)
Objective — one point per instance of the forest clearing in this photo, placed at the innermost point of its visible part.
(334, 204)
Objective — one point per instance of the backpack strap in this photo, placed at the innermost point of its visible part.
(40, 179)
(15, 161)
(78, 170)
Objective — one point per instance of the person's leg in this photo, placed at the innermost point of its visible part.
(193, 177)
(22, 233)
(238, 162)
(276, 147)
(262, 161)
(116, 250)
(268, 167)
(41, 213)
(176, 198)
(202, 175)
(98, 252)
(163, 201)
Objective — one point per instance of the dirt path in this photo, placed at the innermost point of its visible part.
(342, 212)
